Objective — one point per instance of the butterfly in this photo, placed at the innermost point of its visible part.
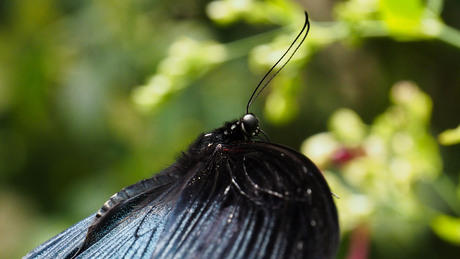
(232, 194)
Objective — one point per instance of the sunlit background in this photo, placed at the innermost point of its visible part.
(96, 95)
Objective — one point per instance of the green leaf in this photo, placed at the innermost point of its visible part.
(347, 127)
(450, 137)
(402, 17)
(447, 228)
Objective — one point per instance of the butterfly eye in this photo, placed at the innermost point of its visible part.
(250, 124)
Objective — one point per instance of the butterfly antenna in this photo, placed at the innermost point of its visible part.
(257, 92)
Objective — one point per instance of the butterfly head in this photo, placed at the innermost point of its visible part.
(250, 125)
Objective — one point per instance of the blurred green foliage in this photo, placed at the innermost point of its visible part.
(377, 168)
(96, 95)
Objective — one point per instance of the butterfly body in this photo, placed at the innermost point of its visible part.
(226, 196)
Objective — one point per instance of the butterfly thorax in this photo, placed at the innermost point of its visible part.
(242, 129)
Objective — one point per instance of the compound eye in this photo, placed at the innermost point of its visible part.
(250, 124)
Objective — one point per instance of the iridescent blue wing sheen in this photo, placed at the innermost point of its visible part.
(136, 235)
(64, 243)
(129, 229)
(239, 200)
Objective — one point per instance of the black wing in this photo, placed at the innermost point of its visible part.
(64, 243)
(246, 200)
(254, 200)
(128, 225)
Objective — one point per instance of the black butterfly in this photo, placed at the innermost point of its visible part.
(227, 196)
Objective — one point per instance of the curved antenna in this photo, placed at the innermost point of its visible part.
(257, 92)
